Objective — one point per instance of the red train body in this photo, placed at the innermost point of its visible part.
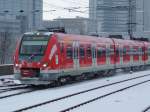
(44, 57)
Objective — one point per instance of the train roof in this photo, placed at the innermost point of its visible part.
(39, 33)
(128, 42)
(82, 38)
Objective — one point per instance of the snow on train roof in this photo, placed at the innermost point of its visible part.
(38, 33)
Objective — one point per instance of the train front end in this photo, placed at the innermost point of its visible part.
(31, 59)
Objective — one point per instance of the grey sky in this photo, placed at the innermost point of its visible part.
(59, 5)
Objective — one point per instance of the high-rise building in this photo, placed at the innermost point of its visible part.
(143, 18)
(17, 17)
(120, 17)
(29, 12)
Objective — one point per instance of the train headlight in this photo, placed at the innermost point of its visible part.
(45, 65)
(17, 65)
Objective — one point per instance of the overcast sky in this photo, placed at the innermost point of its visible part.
(55, 8)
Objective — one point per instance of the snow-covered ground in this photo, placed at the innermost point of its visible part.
(134, 99)
(8, 80)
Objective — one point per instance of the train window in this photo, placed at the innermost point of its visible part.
(93, 52)
(82, 52)
(140, 51)
(101, 52)
(135, 51)
(111, 51)
(149, 51)
(143, 50)
(124, 51)
(69, 52)
(88, 51)
(129, 51)
(117, 51)
(61, 47)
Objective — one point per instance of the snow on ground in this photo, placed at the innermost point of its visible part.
(8, 80)
(132, 100)
(24, 100)
(69, 102)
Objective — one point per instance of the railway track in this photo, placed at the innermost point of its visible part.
(13, 89)
(15, 94)
(103, 96)
(147, 109)
(12, 85)
(54, 101)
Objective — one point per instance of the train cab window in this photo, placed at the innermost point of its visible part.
(69, 52)
(82, 52)
(89, 51)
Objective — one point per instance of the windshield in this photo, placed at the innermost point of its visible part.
(33, 45)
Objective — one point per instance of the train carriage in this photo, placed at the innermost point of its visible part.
(46, 57)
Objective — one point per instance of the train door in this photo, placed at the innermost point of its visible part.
(94, 61)
(117, 54)
(112, 54)
(68, 56)
(135, 53)
(88, 55)
(82, 57)
(126, 55)
(144, 53)
(101, 54)
(76, 56)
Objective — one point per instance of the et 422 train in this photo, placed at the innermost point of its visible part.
(43, 58)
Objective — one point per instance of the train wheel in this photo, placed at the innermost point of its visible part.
(126, 69)
(64, 80)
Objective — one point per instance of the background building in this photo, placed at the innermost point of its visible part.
(9, 30)
(119, 17)
(72, 25)
(17, 17)
(29, 12)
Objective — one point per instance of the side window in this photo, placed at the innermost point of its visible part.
(149, 51)
(82, 52)
(124, 51)
(101, 52)
(140, 51)
(61, 47)
(135, 51)
(117, 51)
(89, 51)
(111, 50)
(69, 52)
(144, 50)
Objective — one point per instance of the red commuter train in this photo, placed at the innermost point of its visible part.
(46, 57)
